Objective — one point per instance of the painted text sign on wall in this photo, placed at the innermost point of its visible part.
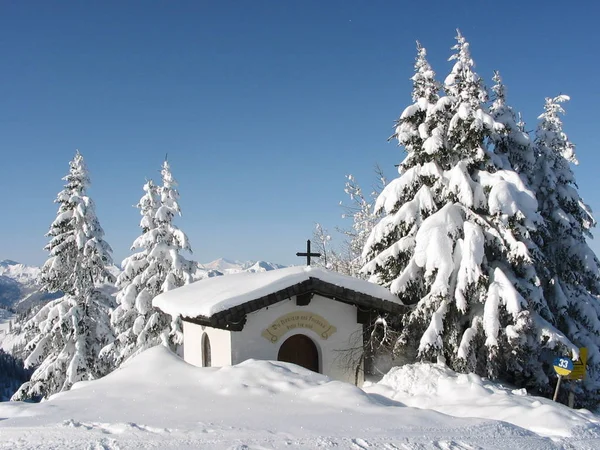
(299, 319)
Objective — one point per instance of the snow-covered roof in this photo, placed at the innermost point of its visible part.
(211, 296)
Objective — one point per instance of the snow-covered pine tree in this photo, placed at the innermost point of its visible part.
(513, 150)
(76, 238)
(572, 281)
(511, 141)
(133, 295)
(157, 267)
(453, 241)
(70, 330)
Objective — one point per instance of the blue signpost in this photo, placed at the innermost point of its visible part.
(563, 367)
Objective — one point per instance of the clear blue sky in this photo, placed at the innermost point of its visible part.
(262, 106)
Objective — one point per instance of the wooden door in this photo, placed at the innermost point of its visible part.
(301, 350)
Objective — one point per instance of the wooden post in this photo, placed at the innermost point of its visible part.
(571, 399)
(557, 387)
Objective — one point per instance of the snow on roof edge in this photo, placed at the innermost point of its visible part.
(209, 296)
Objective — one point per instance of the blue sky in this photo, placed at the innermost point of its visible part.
(262, 106)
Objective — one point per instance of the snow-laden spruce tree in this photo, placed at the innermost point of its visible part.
(157, 267)
(511, 142)
(70, 331)
(572, 281)
(455, 237)
(76, 244)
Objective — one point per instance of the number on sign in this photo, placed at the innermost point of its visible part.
(563, 363)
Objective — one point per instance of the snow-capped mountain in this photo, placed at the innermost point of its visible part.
(20, 273)
(18, 286)
(226, 266)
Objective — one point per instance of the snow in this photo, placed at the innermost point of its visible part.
(434, 244)
(509, 195)
(434, 142)
(469, 271)
(404, 245)
(467, 191)
(398, 188)
(435, 387)
(158, 401)
(213, 295)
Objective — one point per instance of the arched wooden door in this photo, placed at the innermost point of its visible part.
(301, 350)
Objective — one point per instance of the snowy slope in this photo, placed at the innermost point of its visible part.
(436, 387)
(158, 401)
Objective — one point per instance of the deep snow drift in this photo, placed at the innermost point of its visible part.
(159, 401)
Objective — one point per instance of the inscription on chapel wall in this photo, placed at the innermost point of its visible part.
(299, 319)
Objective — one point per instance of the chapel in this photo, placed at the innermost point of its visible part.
(309, 316)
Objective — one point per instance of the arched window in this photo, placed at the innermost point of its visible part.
(206, 351)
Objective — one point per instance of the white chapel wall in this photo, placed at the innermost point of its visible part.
(220, 345)
(249, 343)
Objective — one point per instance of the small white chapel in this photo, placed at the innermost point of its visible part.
(309, 316)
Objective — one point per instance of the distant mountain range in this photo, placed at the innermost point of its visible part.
(226, 266)
(19, 289)
(18, 286)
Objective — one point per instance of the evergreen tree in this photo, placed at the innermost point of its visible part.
(70, 331)
(454, 240)
(12, 375)
(133, 295)
(157, 267)
(76, 244)
(511, 141)
(572, 278)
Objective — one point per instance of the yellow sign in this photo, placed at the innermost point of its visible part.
(579, 366)
(299, 319)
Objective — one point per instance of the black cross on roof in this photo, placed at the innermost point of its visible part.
(308, 254)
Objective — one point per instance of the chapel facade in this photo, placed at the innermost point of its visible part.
(308, 316)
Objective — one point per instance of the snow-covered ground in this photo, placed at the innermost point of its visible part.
(158, 401)
(434, 386)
